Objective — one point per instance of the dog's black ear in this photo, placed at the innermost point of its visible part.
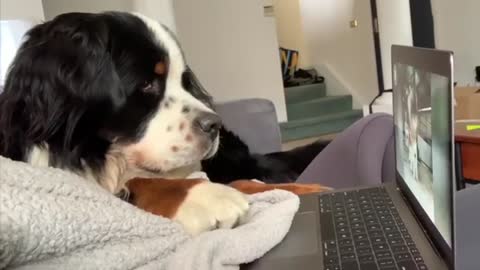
(72, 52)
(62, 64)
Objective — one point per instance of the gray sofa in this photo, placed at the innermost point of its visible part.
(361, 155)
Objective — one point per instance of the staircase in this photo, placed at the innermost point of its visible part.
(312, 113)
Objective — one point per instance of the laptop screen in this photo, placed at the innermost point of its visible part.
(423, 134)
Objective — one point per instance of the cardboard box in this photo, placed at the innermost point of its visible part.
(467, 103)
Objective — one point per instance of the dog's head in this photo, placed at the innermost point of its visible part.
(85, 84)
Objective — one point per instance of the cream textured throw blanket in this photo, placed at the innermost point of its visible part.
(50, 219)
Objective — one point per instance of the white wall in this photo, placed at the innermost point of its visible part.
(395, 27)
(344, 55)
(457, 28)
(161, 10)
(290, 30)
(21, 9)
(17, 16)
(232, 48)
(55, 7)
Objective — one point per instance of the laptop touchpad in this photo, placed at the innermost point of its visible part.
(301, 240)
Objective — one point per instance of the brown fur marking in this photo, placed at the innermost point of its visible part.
(160, 196)
(161, 68)
(251, 187)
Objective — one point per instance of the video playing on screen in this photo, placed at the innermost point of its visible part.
(422, 141)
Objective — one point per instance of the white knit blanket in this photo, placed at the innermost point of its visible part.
(50, 219)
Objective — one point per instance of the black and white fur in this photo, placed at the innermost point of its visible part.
(83, 94)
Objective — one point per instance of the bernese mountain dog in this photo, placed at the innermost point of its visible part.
(110, 97)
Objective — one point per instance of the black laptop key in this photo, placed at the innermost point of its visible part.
(362, 243)
(341, 223)
(366, 258)
(330, 252)
(388, 229)
(395, 234)
(368, 266)
(351, 204)
(364, 251)
(387, 222)
(348, 257)
(383, 255)
(422, 266)
(410, 243)
(356, 219)
(372, 222)
(402, 257)
(406, 265)
(346, 249)
(359, 237)
(332, 267)
(386, 262)
(353, 210)
(356, 225)
(337, 198)
(330, 260)
(378, 240)
(345, 242)
(373, 228)
(395, 241)
(358, 231)
(414, 251)
(351, 265)
(343, 236)
(354, 214)
(385, 216)
(376, 234)
(418, 258)
(368, 211)
(330, 244)
(399, 249)
(340, 219)
(380, 247)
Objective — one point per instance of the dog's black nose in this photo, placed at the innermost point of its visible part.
(208, 123)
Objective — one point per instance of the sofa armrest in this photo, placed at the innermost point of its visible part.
(361, 155)
(254, 121)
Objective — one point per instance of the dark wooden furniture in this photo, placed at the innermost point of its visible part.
(468, 153)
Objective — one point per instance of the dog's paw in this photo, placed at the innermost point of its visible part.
(209, 206)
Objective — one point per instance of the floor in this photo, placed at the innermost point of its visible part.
(292, 144)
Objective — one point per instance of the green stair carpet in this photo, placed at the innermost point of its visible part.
(311, 113)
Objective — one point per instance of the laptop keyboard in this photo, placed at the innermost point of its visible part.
(362, 229)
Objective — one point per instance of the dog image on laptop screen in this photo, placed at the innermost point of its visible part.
(110, 97)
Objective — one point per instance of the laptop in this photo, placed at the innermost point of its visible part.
(406, 223)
